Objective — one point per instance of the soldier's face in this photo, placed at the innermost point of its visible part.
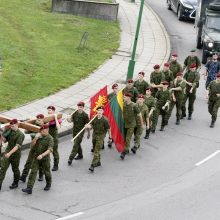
(165, 68)
(148, 92)
(179, 78)
(165, 86)
(193, 54)
(115, 90)
(50, 111)
(80, 108)
(126, 98)
(129, 85)
(173, 58)
(193, 69)
(100, 112)
(44, 132)
(40, 121)
(14, 127)
(140, 76)
(157, 70)
(140, 100)
(215, 57)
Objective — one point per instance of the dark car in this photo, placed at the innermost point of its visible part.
(185, 9)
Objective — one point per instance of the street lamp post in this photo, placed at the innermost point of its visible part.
(132, 61)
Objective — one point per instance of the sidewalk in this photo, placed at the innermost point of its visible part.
(153, 48)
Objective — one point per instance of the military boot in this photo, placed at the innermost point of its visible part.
(190, 116)
(47, 187)
(122, 156)
(55, 168)
(70, 162)
(28, 190)
(177, 121)
(41, 177)
(147, 135)
(103, 147)
(212, 125)
(23, 178)
(0, 187)
(14, 185)
(78, 157)
(162, 128)
(134, 149)
(91, 168)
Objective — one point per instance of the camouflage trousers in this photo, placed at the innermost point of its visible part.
(45, 164)
(191, 97)
(138, 130)
(128, 135)
(213, 106)
(153, 120)
(77, 149)
(97, 142)
(14, 160)
(164, 114)
(56, 156)
(179, 105)
(28, 164)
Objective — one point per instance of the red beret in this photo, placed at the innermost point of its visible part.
(179, 74)
(13, 121)
(166, 64)
(100, 107)
(114, 85)
(46, 126)
(218, 75)
(157, 66)
(193, 65)
(81, 104)
(51, 107)
(142, 73)
(40, 116)
(174, 55)
(127, 94)
(130, 81)
(165, 83)
(140, 96)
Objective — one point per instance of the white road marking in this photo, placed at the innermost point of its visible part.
(207, 158)
(71, 216)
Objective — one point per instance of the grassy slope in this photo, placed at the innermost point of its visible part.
(39, 49)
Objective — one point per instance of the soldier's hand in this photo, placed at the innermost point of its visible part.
(191, 90)
(38, 135)
(164, 107)
(7, 155)
(40, 157)
(205, 77)
(174, 99)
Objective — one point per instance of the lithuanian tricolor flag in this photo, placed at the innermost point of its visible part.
(113, 111)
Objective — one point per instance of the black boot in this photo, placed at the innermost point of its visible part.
(153, 131)
(23, 178)
(147, 135)
(47, 187)
(189, 116)
(212, 125)
(134, 149)
(27, 190)
(103, 147)
(97, 165)
(92, 150)
(55, 168)
(162, 128)
(122, 156)
(91, 168)
(70, 162)
(79, 157)
(177, 121)
(0, 187)
(183, 115)
(14, 185)
(41, 177)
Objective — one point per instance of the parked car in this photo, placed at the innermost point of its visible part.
(185, 9)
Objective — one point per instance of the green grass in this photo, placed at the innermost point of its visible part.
(39, 49)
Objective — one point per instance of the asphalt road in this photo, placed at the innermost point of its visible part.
(167, 179)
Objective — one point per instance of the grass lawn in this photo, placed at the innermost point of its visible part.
(39, 49)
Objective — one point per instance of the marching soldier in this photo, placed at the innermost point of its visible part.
(39, 122)
(99, 125)
(130, 114)
(43, 146)
(114, 92)
(80, 118)
(53, 131)
(168, 75)
(156, 78)
(177, 92)
(150, 102)
(175, 66)
(192, 58)
(141, 84)
(12, 153)
(214, 99)
(131, 89)
(163, 101)
(139, 128)
(191, 78)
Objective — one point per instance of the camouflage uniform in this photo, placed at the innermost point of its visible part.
(133, 91)
(14, 138)
(100, 126)
(138, 129)
(111, 96)
(79, 121)
(168, 75)
(190, 60)
(150, 102)
(141, 86)
(175, 68)
(179, 95)
(130, 112)
(157, 79)
(214, 101)
(162, 98)
(43, 144)
(192, 77)
(54, 133)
